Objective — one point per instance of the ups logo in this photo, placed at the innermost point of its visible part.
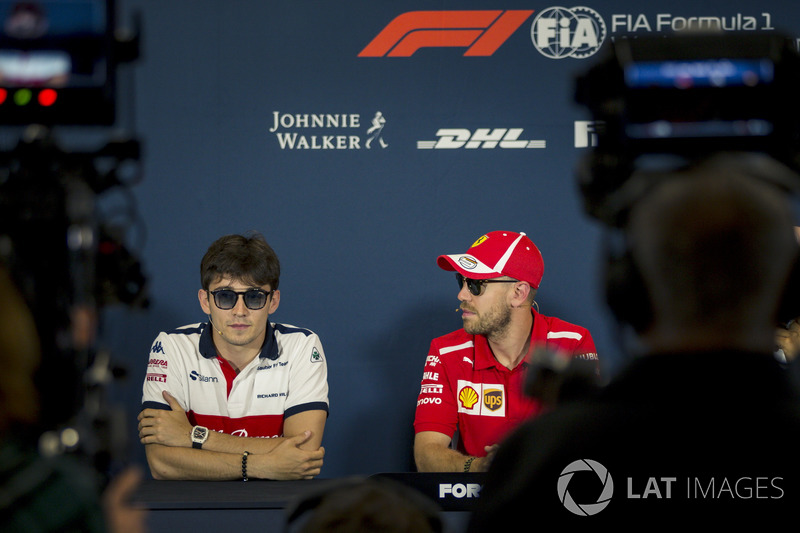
(493, 399)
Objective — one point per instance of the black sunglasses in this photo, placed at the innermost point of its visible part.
(476, 286)
(254, 299)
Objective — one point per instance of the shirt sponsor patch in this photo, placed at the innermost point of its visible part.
(468, 262)
(432, 360)
(316, 357)
(429, 388)
(483, 399)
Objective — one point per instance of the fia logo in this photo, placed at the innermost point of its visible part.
(559, 32)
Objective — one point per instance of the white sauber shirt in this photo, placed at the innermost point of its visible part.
(289, 376)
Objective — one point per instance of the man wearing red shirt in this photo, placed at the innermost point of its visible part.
(473, 381)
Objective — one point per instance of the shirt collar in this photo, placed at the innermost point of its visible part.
(269, 349)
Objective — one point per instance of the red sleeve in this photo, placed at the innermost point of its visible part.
(586, 348)
(436, 404)
(569, 338)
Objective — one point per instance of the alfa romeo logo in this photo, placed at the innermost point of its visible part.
(585, 509)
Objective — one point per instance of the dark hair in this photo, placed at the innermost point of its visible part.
(247, 258)
(715, 241)
(364, 505)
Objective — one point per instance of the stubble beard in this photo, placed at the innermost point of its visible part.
(493, 324)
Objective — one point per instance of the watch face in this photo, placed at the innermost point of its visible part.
(199, 433)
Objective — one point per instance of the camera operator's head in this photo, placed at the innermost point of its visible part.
(713, 245)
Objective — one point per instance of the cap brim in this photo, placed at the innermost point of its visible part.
(467, 265)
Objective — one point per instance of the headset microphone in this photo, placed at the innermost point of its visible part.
(215, 327)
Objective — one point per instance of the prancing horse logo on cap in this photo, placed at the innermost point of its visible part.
(480, 240)
(467, 262)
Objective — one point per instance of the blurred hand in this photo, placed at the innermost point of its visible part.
(120, 516)
(788, 340)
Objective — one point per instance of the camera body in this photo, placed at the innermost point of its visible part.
(58, 62)
(664, 100)
(58, 66)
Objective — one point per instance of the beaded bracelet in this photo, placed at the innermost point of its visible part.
(468, 464)
(244, 465)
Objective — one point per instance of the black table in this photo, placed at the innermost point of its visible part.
(205, 505)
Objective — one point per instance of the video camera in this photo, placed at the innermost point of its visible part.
(664, 100)
(58, 62)
(58, 67)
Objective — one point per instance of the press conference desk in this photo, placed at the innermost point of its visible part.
(176, 506)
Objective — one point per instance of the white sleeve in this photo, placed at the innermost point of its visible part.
(308, 377)
(165, 371)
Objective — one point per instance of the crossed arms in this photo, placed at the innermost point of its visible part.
(168, 446)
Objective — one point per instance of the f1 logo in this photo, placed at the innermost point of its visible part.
(481, 32)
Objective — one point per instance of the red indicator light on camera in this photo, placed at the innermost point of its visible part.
(47, 97)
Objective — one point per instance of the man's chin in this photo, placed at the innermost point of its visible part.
(472, 328)
(238, 340)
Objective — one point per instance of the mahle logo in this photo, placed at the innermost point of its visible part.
(585, 509)
(576, 32)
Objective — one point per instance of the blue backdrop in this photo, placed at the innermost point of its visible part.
(258, 115)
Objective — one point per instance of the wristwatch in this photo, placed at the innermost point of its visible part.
(199, 436)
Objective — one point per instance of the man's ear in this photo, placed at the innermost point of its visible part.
(202, 295)
(521, 293)
(274, 301)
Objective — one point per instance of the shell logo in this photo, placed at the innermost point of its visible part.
(468, 397)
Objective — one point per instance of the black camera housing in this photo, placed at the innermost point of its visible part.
(58, 62)
(663, 100)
